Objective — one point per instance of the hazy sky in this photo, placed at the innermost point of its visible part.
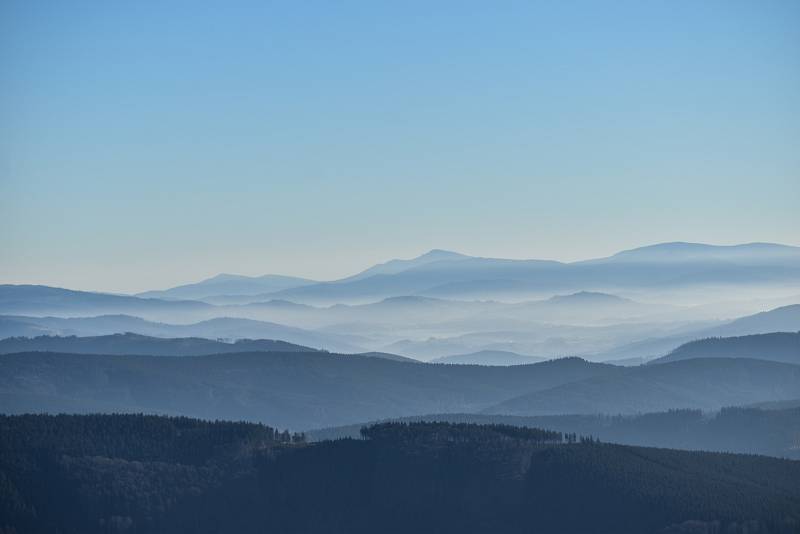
(144, 144)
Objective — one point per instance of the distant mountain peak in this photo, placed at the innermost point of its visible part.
(397, 266)
(229, 284)
(441, 254)
(225, 277)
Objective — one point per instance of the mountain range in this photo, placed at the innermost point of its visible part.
(408, 326)
(471, 277)
(446, 274)
(224, 285)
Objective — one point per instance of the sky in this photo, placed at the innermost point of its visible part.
(147, 144)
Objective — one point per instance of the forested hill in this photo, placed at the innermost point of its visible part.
(774, 432)
(299, 390)
(775, 346)
(112, 473)
(306, 390)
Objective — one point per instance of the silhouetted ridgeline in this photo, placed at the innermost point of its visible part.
(112, 473)
(742, 430)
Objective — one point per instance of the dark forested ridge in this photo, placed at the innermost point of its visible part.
(775, 346)
(144, 474)
(773, 432)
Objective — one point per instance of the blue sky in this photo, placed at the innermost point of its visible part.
(144, 144)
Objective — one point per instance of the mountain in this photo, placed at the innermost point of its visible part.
(146, 345)
(397, 266)
(776, 346)
(128, 343)
(111, 473)
(418, 280)
(707, 384)
(658, 267)
(299, 389)
(26, 326)
(229, 284)
(226, 328)
(10, 326)
(783, 319)
(235, 328)
(488, 357)
(45, 300)
(681, 252)
(771, 432)
(646, 349)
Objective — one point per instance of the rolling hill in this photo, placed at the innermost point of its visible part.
(776, 346)
(45, 300)
(782, 319)
(145, 345)
(773, 432)
(227, 328)
(706, 383)
(300, 390)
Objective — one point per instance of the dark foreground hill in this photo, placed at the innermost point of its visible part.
(775, 346)
(299, 390)
(113, 473)
(774, 432)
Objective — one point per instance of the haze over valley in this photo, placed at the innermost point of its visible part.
(400, 267)
(595, 309)
(644, 348)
